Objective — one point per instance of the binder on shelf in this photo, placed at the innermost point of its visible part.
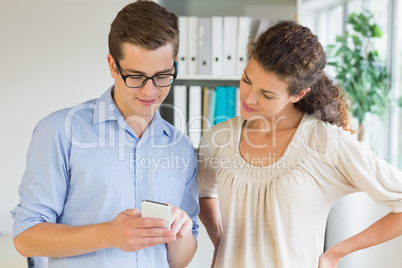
(230, 26)
(247, 29)
(205, 110)
(237, 102)
(211, 108)
(182, 60)
(192, 48)
(195, 113)
(221, 104)
(217, 45)
(180, 107)
(231, 102)
(204, 46)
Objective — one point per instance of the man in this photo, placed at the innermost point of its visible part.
(90, 166)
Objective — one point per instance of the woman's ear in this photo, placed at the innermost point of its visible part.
(299, 96)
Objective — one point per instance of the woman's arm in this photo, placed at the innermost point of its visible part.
(385, 229)
(210, 216)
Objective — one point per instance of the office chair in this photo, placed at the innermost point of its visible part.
(37, 262)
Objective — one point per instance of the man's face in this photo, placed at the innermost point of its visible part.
(143, 101)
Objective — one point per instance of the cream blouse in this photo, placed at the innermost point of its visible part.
(275, 216)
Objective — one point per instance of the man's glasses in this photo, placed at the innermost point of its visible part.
(137, 81)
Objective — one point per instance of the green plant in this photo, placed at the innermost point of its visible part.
(359, 70)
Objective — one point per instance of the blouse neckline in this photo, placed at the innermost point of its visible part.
(287, 158)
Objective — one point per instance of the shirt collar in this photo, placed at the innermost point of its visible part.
(106, 109)
(158, 125)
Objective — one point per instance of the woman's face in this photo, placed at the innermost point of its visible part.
(263, 94)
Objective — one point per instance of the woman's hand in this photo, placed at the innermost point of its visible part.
(214, 258)
(328, 260)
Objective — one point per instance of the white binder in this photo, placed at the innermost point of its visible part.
(195, 114)
(180, 107)
(246, 32)
(192, 46)
(182, 60)
(230, 26)
(204, 46)
(217, 45)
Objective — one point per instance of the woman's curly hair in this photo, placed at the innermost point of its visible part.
(295, 55)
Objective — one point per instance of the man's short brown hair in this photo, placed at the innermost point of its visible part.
(145, 24)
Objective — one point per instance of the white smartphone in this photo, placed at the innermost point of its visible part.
(156, 210)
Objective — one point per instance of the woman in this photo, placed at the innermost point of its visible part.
(269, 178)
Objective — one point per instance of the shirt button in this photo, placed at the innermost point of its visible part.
(142, 251)
(141, 177)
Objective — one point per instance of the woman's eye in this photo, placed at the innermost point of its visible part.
(246, 81)
(267, 97)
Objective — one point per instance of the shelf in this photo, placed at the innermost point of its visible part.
(207, 78)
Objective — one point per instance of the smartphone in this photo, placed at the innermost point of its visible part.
(156, 210)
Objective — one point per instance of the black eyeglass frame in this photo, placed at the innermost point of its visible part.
(146, 78)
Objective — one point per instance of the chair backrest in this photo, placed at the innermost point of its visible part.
(37, 262)
(31, 263)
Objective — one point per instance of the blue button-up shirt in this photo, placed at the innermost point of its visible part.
(85, 165)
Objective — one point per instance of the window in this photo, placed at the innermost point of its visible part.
(325, 20)
(398, 93)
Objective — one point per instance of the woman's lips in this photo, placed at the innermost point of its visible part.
(147, 102)
(248, 108)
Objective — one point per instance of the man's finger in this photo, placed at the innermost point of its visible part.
(132, 212)
(149, 222)
(152, 241)
(155, 232)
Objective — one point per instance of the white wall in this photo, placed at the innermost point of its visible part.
(351, 215)
(53, 55)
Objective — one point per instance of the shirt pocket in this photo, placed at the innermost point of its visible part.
(170, 186)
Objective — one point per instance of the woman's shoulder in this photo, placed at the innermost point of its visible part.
(229, 125)
(221, 136)
(314, 130)
(227, 130)
(324, 140)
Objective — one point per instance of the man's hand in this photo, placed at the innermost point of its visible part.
(181, 222)
(181, 251)
(129, 232)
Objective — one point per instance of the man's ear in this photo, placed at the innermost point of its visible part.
(112, 66)
(299, 96)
